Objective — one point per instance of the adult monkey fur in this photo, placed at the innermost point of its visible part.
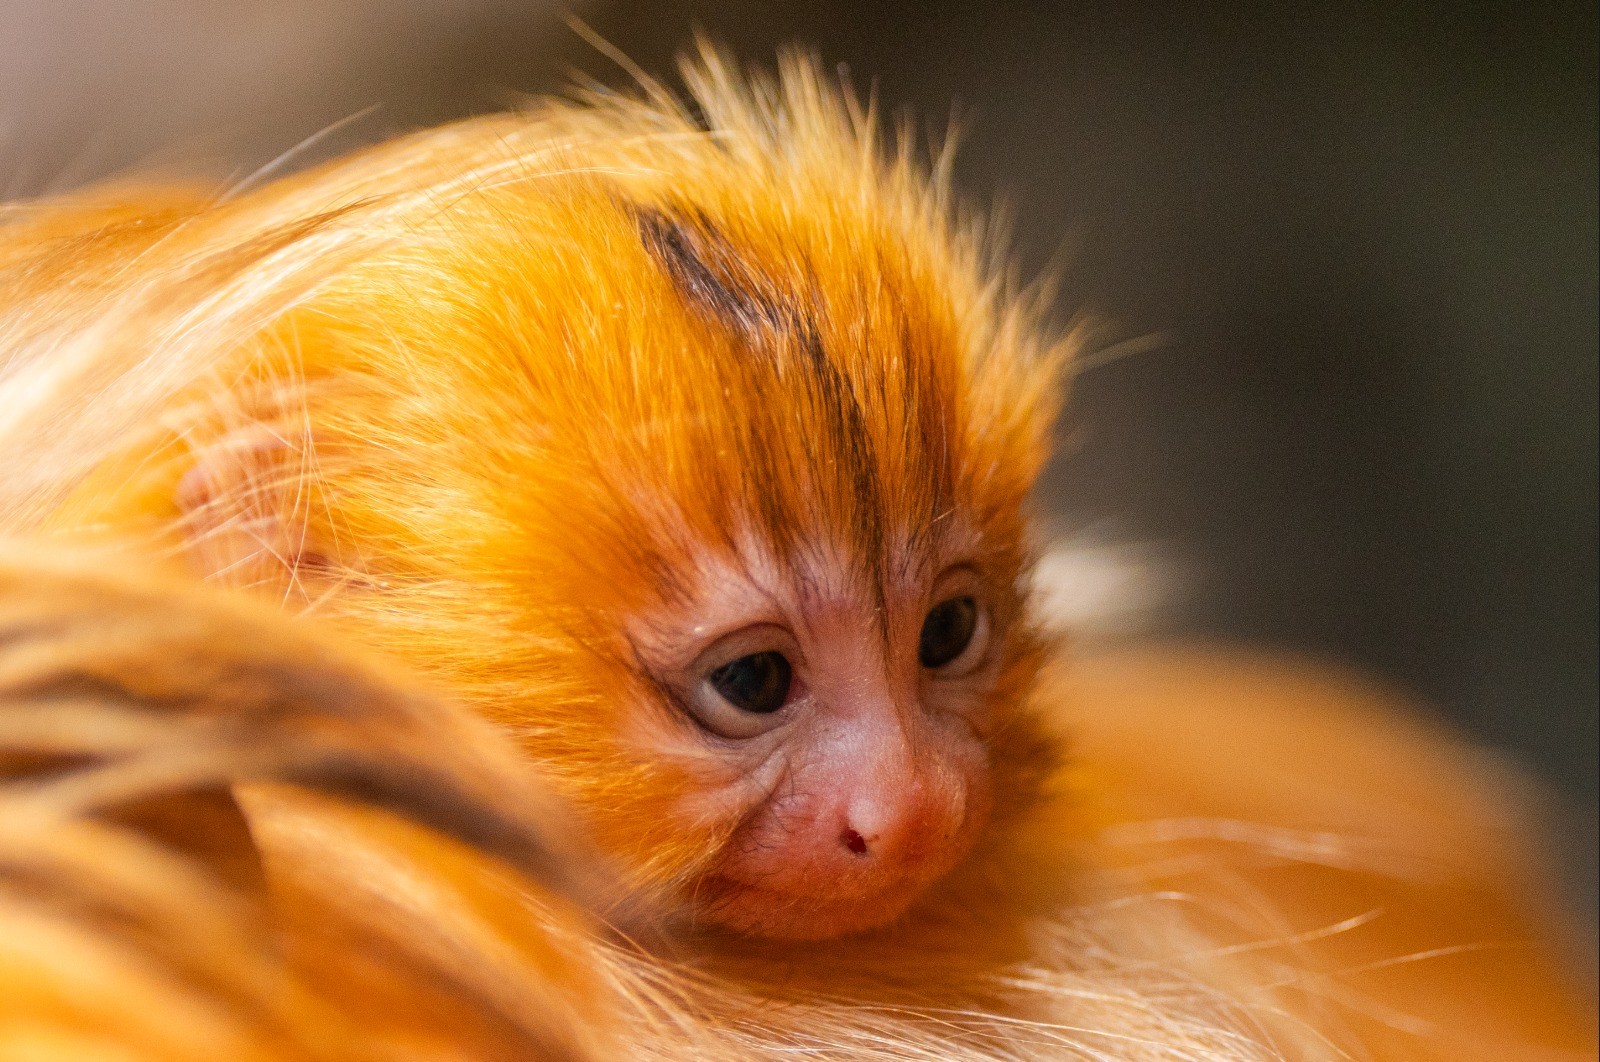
(692, 449)
(134, 916)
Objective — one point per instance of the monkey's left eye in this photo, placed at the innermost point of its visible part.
(953, 635)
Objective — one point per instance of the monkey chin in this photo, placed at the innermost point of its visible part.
(751, 911)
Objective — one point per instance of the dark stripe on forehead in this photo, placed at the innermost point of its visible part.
(711, 276)
(723, 288)
(853, 443)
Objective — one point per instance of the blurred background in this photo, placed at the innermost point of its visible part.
(1360, 239)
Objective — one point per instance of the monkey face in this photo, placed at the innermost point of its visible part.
(837, 734)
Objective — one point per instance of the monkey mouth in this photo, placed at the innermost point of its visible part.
(802, 907)
(760, 886)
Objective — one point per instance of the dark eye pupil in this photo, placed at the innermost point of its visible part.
(755, 683)
(947, 631)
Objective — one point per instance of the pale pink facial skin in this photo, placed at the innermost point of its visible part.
(870, 783)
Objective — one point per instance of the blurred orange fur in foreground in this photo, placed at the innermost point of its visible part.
(538, 415)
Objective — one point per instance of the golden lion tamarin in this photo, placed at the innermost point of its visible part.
(690, 444)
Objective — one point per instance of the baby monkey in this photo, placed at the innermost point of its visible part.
(697, 460)
(690, 443)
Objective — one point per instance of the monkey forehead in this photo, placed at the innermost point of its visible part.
(821, 585)
(613, 339)
(805, 369)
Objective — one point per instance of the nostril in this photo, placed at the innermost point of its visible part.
(855, 842)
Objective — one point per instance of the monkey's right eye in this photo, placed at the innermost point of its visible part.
(745, 682)
(756, 683)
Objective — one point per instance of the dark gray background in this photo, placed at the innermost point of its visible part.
(1367, 234)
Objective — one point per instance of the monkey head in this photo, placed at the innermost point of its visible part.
(697, 460)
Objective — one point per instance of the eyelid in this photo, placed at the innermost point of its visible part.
(957, 580)
(743, 641)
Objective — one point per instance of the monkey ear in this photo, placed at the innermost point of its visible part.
(246, 506)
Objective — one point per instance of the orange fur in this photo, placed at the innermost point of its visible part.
(473, 395)
(136, 917)
(432, 450)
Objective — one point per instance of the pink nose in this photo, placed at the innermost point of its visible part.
(896, 818)
(855, 836)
